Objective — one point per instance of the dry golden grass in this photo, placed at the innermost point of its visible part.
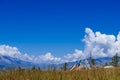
(98, 74)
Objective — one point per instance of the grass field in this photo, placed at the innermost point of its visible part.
(98, 74)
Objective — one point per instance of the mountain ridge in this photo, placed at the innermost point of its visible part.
(8, 61)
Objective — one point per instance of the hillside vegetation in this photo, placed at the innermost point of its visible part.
(97, 74)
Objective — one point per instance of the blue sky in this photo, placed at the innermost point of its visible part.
(57, 26)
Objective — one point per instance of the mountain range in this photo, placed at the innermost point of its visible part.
(8, 61)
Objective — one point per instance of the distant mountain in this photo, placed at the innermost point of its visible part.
(103, 60)
(7, 61)
(98, 61)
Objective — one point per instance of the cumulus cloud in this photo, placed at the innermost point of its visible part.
(75, 56)
(98, 45)
(101, 45)
(47, 58)
(6, 50)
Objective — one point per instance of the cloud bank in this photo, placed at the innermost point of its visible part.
(6, 50)
(96, 43)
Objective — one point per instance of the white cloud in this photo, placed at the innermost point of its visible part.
(6, 50)
(47, 58)
(100, 45)
(75, 56)
(97, 44)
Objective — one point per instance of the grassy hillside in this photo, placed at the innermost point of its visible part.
(98, 74)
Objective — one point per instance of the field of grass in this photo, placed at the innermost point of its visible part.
(98, 74)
